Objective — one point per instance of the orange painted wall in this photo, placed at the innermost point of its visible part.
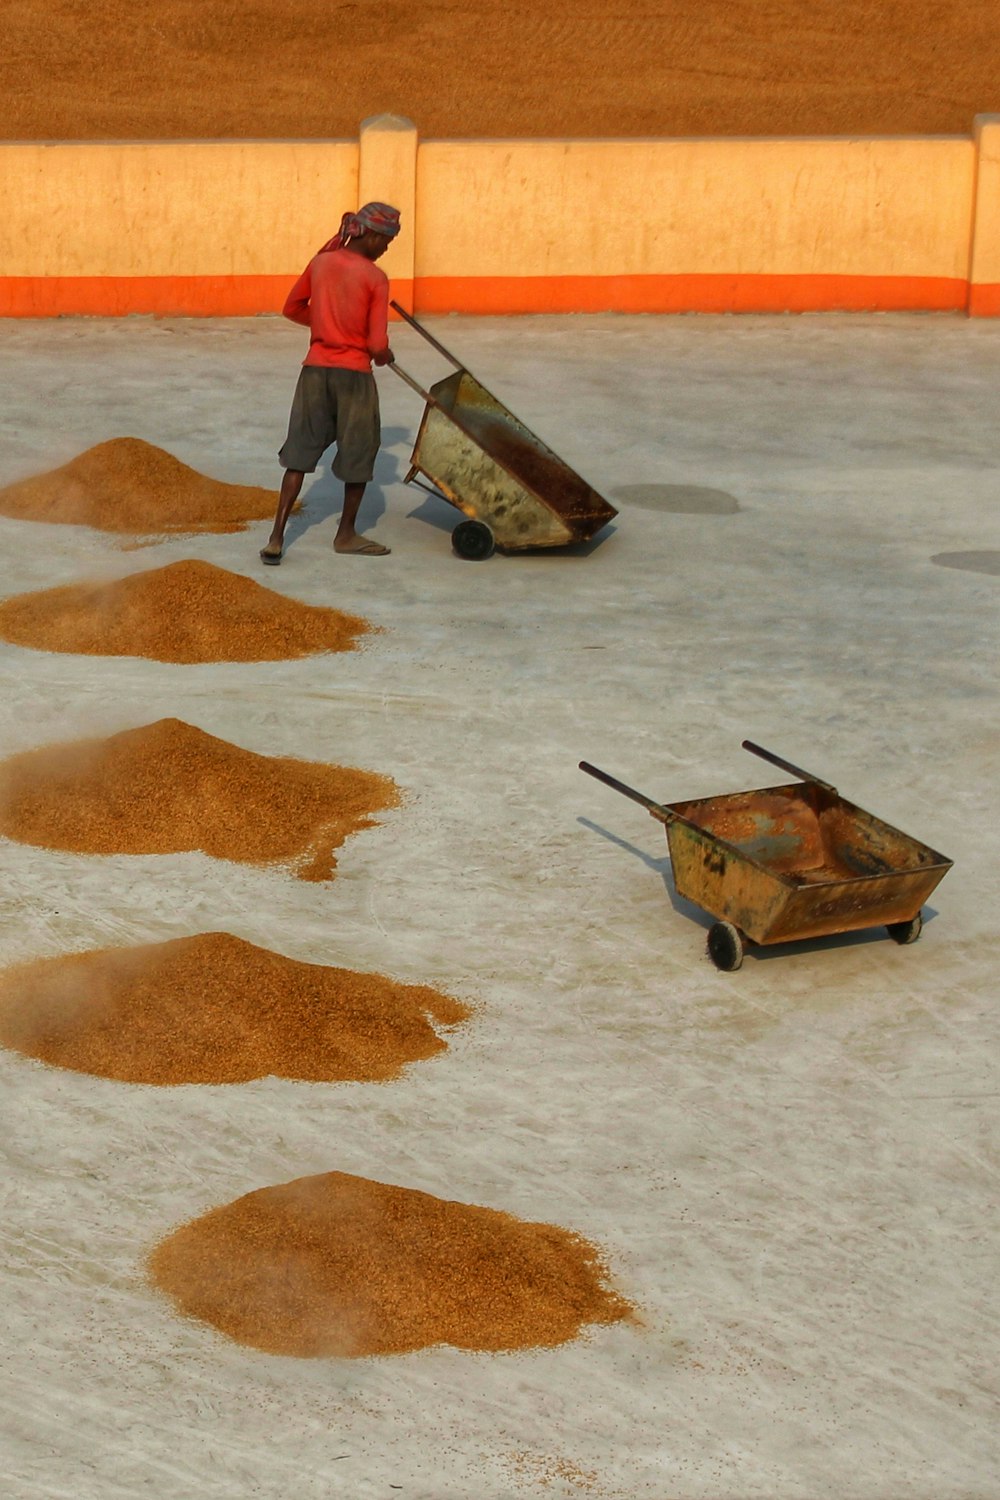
(223, 227)
(210, 227)
(984, 258)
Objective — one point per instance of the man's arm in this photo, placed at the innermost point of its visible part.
(378, 325)
(296, 308)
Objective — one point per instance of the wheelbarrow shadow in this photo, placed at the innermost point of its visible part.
(441, 514)
(687, 908)
(572, 549)
(325, 496)
(855, 939)
(435, 512)
(662, 867)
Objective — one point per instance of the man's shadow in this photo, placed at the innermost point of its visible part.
(324, 496)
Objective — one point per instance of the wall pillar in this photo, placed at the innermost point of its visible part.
(984, 256)
(387, 173)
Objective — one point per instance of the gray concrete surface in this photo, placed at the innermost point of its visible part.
(793, 1169)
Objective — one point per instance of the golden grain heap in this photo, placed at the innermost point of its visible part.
(579, 68)
(169, 786)
(128, 485)
(341, 1265)
(215, 1009)
(189, 611)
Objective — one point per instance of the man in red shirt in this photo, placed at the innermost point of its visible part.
(343, 299)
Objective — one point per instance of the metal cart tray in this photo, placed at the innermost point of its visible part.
(789, 862)
(516, 493)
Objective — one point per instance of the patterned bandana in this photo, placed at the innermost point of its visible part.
(381, 218)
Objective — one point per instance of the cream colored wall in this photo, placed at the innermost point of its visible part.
(892, 207)
(984, 268)
(388, 174)
(904, 209)
(186, 208)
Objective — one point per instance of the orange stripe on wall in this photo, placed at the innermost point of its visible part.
(688, 293)
(167, 296)
(164, 296)
(984, 300)
(243, 296)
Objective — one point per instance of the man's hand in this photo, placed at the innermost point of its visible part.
(384, 357)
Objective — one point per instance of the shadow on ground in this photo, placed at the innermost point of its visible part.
(439, 513)
(680, 499)
(970, 562)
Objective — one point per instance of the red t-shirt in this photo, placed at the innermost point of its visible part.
(343, 299)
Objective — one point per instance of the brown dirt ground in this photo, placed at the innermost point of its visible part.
(169, 786)
(214, 1009)
(341, 1265)
(128, 485)
(188, 611)
(98, 69)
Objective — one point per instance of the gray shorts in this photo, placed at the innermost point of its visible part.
(333, 406)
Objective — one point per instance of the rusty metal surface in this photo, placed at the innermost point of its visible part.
(797, 861)
(494, 469)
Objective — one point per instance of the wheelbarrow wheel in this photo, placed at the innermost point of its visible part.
(473, 540)
(906, 932)
(725, 946)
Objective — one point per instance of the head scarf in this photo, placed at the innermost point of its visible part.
(380, 218)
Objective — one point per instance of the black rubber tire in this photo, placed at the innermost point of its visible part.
(725, 946)
(906, 932)
(473, 540)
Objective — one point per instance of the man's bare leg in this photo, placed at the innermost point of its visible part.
(291, 484)
(347, 539)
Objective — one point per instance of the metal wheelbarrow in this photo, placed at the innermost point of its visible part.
(515, 493)
(790, 862)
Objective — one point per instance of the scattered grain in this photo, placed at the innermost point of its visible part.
(186, 612)
(548, 1470)
(127, 485)
(215, 1009)
(170, 786)
(341, 1265)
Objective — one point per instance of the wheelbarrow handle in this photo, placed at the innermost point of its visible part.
(664, 814)
(786, 765)
(428, 336)
(414, 384)
(659, 810)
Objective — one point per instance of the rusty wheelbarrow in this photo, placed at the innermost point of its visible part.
(790, 862)
(515, 493)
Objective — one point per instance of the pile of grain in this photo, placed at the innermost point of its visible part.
(340, 1265)
(170, 786)
(127, 485)
(175, 69)
(214, 1009)
(186, 612)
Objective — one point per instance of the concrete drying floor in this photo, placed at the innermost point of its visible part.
(792, 1169)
